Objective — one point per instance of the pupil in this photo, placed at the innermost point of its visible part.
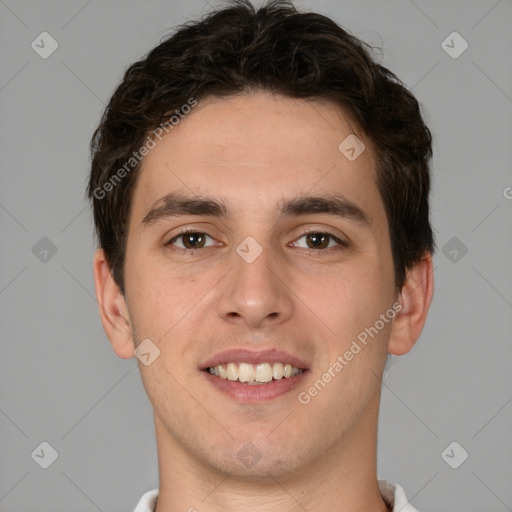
(317, 237)
(193, 236)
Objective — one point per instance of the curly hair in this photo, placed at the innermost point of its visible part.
(277, 49)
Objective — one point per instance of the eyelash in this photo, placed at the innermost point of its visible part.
(341, 244)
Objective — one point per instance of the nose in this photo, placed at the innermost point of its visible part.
(256, 293)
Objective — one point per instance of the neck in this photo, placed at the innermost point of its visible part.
(342, 479)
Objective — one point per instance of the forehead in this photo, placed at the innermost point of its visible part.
(255, 150)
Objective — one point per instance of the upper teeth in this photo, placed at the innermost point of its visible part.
(245, 372)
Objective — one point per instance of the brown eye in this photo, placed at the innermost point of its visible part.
(319, 240)
(190, 240)
(193, 240)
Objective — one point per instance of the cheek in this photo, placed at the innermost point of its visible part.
(352, 300)
(159, 295)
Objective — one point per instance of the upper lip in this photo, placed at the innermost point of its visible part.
(244, 355)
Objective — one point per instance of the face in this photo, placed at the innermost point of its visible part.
(264, 272)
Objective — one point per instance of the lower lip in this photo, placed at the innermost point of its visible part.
(255, 393)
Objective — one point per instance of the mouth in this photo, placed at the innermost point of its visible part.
(254, 377)
(254, 374)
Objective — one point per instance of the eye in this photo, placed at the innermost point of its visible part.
(191, 240)
(319, 240)
(314, 240)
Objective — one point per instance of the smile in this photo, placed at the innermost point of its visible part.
(255, 374)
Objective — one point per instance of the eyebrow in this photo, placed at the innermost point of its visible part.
(176, 204)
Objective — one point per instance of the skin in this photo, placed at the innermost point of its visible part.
(253, 151)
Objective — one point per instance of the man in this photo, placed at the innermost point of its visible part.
(260, 193)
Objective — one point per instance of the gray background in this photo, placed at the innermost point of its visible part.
(60, 380)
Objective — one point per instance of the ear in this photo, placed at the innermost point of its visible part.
(415, 298)
(112, 306)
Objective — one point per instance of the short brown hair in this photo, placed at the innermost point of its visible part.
(277, 49)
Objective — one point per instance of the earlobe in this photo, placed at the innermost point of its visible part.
(415, 298)
(112, 307)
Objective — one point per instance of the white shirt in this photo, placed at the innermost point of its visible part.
(392, 494)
